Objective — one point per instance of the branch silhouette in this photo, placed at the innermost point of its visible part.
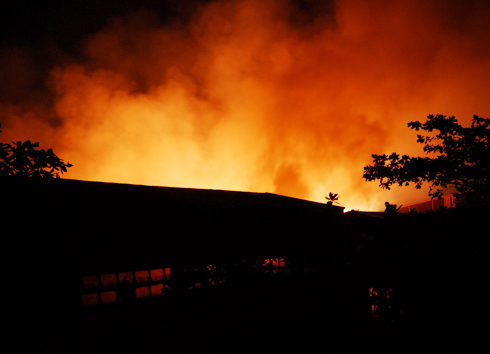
(460, 160)
(25, 159)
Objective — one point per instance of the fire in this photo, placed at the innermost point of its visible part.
(254, 97)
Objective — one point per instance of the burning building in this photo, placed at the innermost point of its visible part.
(77, 241)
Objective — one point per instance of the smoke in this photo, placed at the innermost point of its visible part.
(289, 97)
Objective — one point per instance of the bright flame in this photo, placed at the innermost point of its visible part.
(255, 96)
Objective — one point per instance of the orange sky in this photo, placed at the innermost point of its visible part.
(251, 95)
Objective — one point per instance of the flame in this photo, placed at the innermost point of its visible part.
(253, 96)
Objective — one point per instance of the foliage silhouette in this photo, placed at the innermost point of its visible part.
(332, 198)
(462, 160)
(25, 159)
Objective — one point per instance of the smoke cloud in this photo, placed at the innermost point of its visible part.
(289, 97)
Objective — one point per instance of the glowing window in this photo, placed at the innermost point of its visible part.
(156, 274)
(142, 291)
(142, 276)
(108, 297)
(90, 299)
(108, 280)
(124, 286)
(126, 276)
(156, 289)
(90, 282)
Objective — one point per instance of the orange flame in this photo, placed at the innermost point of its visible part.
(251, 96)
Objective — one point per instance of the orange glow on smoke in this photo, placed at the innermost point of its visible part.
(244, 97)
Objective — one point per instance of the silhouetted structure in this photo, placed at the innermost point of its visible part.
(116, 267)
(61, 230)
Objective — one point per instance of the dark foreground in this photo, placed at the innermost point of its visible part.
(308, 313)
(350, 283)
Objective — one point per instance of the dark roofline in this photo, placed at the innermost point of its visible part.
(104, 225)
(197, 190)
(225, 195)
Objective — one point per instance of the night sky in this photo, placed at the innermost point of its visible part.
(284, 96)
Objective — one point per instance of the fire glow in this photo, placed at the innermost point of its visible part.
(247, 96)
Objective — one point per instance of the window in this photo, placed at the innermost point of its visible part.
(124, 286)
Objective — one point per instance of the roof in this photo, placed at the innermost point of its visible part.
(94, 225)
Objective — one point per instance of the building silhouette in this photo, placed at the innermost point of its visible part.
(95, 267)
(79, 242)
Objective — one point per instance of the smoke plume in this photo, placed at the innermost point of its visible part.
(282, 96)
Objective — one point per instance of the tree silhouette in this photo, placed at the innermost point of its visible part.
(462, 160)
(332, 198)
(25, 159)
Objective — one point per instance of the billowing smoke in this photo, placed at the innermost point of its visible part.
(289, 97)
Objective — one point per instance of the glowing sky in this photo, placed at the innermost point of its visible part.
(280, 96)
